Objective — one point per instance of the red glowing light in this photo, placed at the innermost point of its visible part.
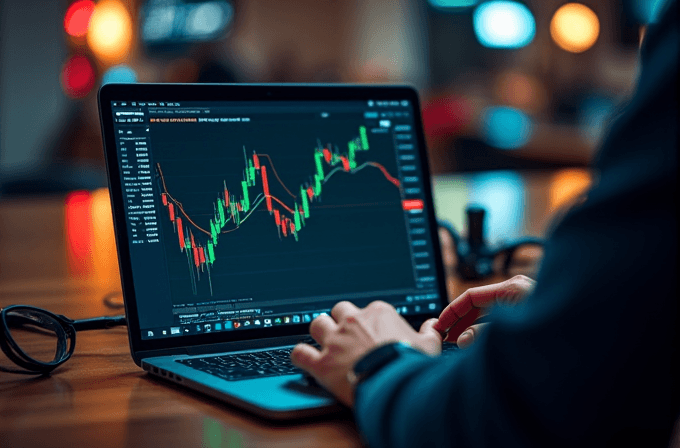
(77, 77)
(446, 116)
(79, 231)
(77, 18)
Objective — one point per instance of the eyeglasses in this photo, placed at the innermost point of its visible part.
(39, 341)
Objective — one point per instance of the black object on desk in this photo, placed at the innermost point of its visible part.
(475, 256)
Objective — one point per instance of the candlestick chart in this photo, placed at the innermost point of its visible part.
(290, 211)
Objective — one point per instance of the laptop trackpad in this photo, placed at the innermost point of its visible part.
(307, 386)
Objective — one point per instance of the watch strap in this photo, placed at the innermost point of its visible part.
(375, 360)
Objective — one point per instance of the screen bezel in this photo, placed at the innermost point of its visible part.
(241, 92)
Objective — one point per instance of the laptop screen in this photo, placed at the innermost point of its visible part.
(266, 213)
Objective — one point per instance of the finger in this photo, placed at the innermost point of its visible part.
(429, 332)
(306, 357)
(321, 327)
(462, 324)
(482, 297)
(478, 297)
(469, 335)
(380, 307)
(516, 289)
(343, 310)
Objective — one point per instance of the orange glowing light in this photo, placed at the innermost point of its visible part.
(78, 226)
(77, 18)
(110, 32)
(566, 187)
(105, 262)
(575, 27)
(77, 76)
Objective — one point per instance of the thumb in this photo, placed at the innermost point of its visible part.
(306, 357)
(469, 335)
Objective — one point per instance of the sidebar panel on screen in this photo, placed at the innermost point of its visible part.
(131, 127)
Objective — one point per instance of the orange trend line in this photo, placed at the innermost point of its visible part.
(387, 175)
(179, 204)
(276, 174)
(282, 204)
(181, 208)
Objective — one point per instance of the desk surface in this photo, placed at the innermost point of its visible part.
(100, 397)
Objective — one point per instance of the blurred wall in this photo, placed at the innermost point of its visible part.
(390, 41)
(318, 41)
(32, 51)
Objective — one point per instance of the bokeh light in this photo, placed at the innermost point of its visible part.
(105, 261)
(452, 4)
(566, 186)
(446, 115)
(575, 27)
(77, 76)
(504, 24)
(165, 22)
(78, 228)
(506, 127)
(501, 193)
(119, 74)
(77, 18)
(206, 19)
(110, 32)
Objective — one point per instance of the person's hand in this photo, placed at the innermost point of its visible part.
(348, 334)
(456, 318)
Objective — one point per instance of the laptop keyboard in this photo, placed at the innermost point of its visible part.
(448, 348)
(243, 366)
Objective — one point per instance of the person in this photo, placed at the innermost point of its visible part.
(588, 358)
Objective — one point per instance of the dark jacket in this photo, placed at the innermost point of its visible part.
(591, 357)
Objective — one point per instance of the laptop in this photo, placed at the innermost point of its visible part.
(242, 212)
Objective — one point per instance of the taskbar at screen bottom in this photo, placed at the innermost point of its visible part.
(265, 321)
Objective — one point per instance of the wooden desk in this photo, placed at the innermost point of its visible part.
(99, 397)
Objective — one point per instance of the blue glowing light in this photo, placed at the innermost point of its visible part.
(502, 194)
(504, 24)
(119, 74)
(208, 19)
(647, 11)
(178, 21)
(452, 4)
(506, 127)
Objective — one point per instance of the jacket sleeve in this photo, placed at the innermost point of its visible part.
(591, 357)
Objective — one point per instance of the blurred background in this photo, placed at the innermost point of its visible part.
(507, 87)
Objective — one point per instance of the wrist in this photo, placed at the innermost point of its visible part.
(375, 360)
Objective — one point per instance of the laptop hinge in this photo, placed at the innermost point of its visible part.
(225, 346)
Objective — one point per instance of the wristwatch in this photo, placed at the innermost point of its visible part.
(375, 360)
